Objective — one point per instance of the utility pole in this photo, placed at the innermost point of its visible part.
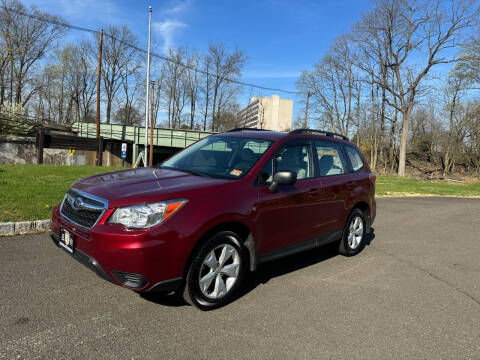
(99, 75)
(148, 86)
(150, 161)
(305, 120)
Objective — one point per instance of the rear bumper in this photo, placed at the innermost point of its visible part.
(371, 215)
(373, 212)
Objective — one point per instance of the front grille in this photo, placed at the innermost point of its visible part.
(87, 214)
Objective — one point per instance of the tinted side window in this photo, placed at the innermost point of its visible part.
(329, 158)
(354, 157)
(292, 158)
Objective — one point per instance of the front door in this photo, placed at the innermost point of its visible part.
(287, 216)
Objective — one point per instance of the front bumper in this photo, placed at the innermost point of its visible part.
(137, 260)
(84, 259)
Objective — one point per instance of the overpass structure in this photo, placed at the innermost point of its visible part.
(165, 141)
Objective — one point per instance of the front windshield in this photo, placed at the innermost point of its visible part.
(224, 157)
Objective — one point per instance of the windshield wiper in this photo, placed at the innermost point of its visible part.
(188, 171)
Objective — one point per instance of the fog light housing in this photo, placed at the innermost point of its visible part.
(132, 280)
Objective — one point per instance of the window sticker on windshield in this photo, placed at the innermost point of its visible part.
(236, 172)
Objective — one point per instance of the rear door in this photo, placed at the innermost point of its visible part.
(333, 175)
(287, 216)
(360, 184)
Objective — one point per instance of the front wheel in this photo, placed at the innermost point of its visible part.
(216, 272)
(353, 240)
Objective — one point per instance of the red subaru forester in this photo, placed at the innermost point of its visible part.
(214, 211)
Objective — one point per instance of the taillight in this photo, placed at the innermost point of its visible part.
(372, 178)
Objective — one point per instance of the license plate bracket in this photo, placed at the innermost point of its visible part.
(67, 240)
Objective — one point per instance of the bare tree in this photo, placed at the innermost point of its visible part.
(457, 115)
(469, 62)
(117, 57)
(423, 30)
(192, 83)
(66, 86)
(332, 85)
(131, 80)
(174, 73)
(4, 61)
(159, 87)
(226, 105)
(128, 115)
(225, 65)
(80, 80)
(206, 89)
(26, 40)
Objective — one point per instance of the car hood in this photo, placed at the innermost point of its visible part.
(143, 185)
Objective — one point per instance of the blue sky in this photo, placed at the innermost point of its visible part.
(280, 37)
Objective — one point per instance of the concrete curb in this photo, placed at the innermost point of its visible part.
(24, 227)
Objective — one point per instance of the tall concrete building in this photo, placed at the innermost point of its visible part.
(270, 113)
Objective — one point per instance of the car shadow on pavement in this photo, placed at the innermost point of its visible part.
(265, 272)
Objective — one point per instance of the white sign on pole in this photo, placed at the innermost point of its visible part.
(124, 150)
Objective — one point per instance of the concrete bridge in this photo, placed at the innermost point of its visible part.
(165, 141)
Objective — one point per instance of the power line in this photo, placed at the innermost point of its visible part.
(51, 20)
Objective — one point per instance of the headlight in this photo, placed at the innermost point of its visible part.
(146, 215)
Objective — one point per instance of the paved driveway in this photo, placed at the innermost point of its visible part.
(414, 292)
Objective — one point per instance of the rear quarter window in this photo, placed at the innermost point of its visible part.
(354, 157)
(330, 160)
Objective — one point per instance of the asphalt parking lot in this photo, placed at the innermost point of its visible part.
(414, 292)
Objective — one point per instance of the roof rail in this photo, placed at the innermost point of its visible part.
(326, 133)
(246, 129)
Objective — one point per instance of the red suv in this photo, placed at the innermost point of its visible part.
(214, 211)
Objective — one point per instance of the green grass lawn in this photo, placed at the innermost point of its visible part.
(28, 192)
(397, 186)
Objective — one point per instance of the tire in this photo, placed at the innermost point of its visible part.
(354, 234)
(209, 284)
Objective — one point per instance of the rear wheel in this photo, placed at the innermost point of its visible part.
(216, 271)
(353, 240)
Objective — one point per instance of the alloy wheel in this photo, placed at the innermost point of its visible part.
(355, 232)
(219, 271)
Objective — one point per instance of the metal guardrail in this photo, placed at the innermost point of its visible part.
(178, 138)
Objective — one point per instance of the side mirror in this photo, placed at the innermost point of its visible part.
(283, 178)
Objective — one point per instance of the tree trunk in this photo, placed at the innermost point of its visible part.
(18, 92)
(206, 114)
(215, 92)
(192, 109)
(109, 110)
(170, 112)
(373, 146)
(69, 111)
(403, 141)
(446, 163)
(11, 80)
(391, 152)
(207, 98)
(2, 85)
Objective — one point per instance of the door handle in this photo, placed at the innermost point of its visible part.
(351, 184)
(315, 192)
